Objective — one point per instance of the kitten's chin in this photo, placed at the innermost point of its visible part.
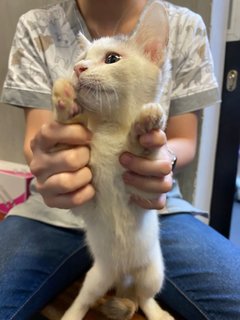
(98, 102)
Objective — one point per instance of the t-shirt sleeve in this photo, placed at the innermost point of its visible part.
(27, 82)
(194, 83)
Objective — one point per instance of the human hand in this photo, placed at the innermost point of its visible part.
(63, 177)
(151, 176)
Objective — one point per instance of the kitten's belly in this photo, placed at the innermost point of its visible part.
(107, 171)
(111, 192)
(117, 231)
(125, 246)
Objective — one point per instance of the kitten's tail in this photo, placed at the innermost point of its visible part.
(116, 308)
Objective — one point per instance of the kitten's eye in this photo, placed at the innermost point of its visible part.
(112, 58)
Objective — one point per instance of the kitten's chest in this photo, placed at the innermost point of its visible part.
(107, 145)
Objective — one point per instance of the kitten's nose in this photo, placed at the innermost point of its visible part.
(79, 68)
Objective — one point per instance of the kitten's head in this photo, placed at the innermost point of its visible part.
(114, 74)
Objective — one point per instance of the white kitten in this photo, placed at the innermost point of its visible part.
(116, 83)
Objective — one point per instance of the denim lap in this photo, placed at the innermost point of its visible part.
(202, 270)
(38, 260)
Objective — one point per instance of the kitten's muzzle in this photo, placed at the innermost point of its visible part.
(78, 69)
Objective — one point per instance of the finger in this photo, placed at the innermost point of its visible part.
(156, 204)
(54, 133)
(46, 165)
(142, 166)
(153, 139)
(71, 200)
(148, 184)
(64, 183)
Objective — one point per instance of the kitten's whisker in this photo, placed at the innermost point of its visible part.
(94, 89)
(116, 94)
(104, 94)
(101, 98)
(108, 103)
(98, 96)
(87, 85)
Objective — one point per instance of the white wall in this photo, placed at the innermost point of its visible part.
(203, 7)
(234, 21)
(218, 35)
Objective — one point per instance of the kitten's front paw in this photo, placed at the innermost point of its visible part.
(65, 107)
(151, 117)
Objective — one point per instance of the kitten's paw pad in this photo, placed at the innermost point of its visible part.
(63, 91)
(64, 101)
(151, 117)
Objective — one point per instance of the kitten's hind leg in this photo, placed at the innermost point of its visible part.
(153, 311)
(149, 281)
(97, 282)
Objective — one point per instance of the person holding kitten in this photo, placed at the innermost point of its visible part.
(45, 249)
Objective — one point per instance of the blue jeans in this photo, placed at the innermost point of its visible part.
(38, 260)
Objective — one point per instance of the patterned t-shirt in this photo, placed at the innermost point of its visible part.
(45, 48)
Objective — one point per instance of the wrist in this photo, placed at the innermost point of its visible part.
(173, 158)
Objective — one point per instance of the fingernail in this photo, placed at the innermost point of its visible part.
(127, 177)
(146, 139)
(125, 159)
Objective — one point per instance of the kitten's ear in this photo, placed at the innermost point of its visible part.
(84, 43)
(152, 33)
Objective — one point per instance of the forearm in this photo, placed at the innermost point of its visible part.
(184, 150)
(182, 138)
(34, 119)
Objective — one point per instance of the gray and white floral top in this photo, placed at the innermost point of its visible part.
(45, 48)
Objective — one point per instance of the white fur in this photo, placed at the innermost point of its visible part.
(123, 238)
